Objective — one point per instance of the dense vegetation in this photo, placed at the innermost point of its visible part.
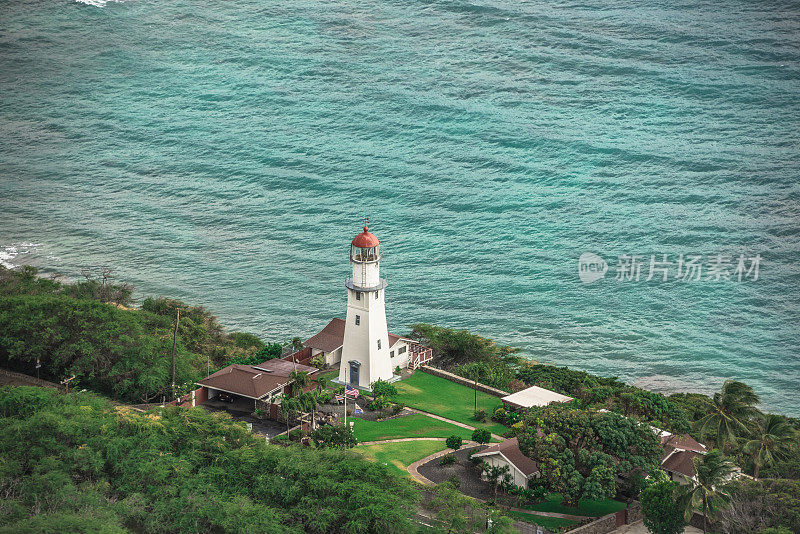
(76, 463)
(581, 453)
(89, 329)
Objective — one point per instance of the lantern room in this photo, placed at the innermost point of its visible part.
(365, 247)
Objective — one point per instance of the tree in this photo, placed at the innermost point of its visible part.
(338, 437)
(729, 412)
(582, 453)
(705, 492)
(289, 405)
(77, 463)
(450, 509)
(498, 476)
(659, 507)
(481, 435)
(756, 505)
(454, 442)
(771, 439)
(299, 380)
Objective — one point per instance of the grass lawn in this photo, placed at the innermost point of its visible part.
(398, 456)
(553, 503)
(409, 426)
(442, 397)
(551, 523)
(330, 375)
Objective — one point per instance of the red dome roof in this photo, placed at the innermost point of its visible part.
(366, 239)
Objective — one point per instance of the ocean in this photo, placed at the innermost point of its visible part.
(225, 153)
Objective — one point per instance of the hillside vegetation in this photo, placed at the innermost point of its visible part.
(89, 329)
(88, 466)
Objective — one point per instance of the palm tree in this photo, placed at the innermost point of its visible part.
(729, 412)
(289, 405)
(703, 492)
(771, 440)
(299, 380)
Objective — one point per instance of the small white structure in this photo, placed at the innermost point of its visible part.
(365, 347)
(521, 468)
(533, 396)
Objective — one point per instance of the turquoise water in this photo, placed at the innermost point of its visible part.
(224, 153)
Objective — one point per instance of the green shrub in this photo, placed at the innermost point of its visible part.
(454, 442)
(447, 459)
(481, 435)
(479, 415)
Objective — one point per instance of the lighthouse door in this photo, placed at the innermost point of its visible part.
(354, 370)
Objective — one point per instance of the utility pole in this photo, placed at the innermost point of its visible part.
(174, 343)
(345, 397)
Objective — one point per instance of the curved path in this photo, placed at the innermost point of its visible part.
(451, 421)
(413, 468)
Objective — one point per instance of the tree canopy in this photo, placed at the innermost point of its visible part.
(581, 453)
(76, 463)
(110, 348)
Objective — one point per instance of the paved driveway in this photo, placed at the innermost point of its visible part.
(241, 411)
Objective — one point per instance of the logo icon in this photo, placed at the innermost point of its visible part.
(591, 267)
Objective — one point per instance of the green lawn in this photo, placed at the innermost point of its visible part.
(398, 456)
(330, 375)
(442, 397)
(554, 503)
(552, 523)
(409, 426)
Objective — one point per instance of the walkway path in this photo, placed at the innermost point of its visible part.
(547, 514)
(413, 468)
(399, 440)
(452, 422)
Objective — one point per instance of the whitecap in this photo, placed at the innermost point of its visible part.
(96, 3)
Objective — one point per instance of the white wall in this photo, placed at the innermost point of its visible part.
(361, 341)
(517, 477)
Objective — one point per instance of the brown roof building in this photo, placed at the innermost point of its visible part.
(680, 451)
(254, 381)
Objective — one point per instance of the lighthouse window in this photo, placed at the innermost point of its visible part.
(358, 320)
(358, 295)
(379, 344)
(376, 294)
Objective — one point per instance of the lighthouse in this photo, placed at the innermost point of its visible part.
(365, 346)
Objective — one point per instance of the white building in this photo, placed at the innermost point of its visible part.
(362, 343)
(521, 469)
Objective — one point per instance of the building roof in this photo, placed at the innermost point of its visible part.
(366, 239)
(682, 441)
(534, 396)
(329, 338)
(394, 338)
(254, 381)
(681, 462)
(244, 380)
(509, 449)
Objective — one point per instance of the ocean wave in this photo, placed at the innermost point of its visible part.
(97, 3)
(10, 252)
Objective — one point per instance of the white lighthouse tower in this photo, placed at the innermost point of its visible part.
(365, 348)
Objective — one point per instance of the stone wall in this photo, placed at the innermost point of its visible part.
(15, 378)
(463, 381)
(604, 525)
(633, 513)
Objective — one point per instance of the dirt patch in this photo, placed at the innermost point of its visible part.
(468, 475)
